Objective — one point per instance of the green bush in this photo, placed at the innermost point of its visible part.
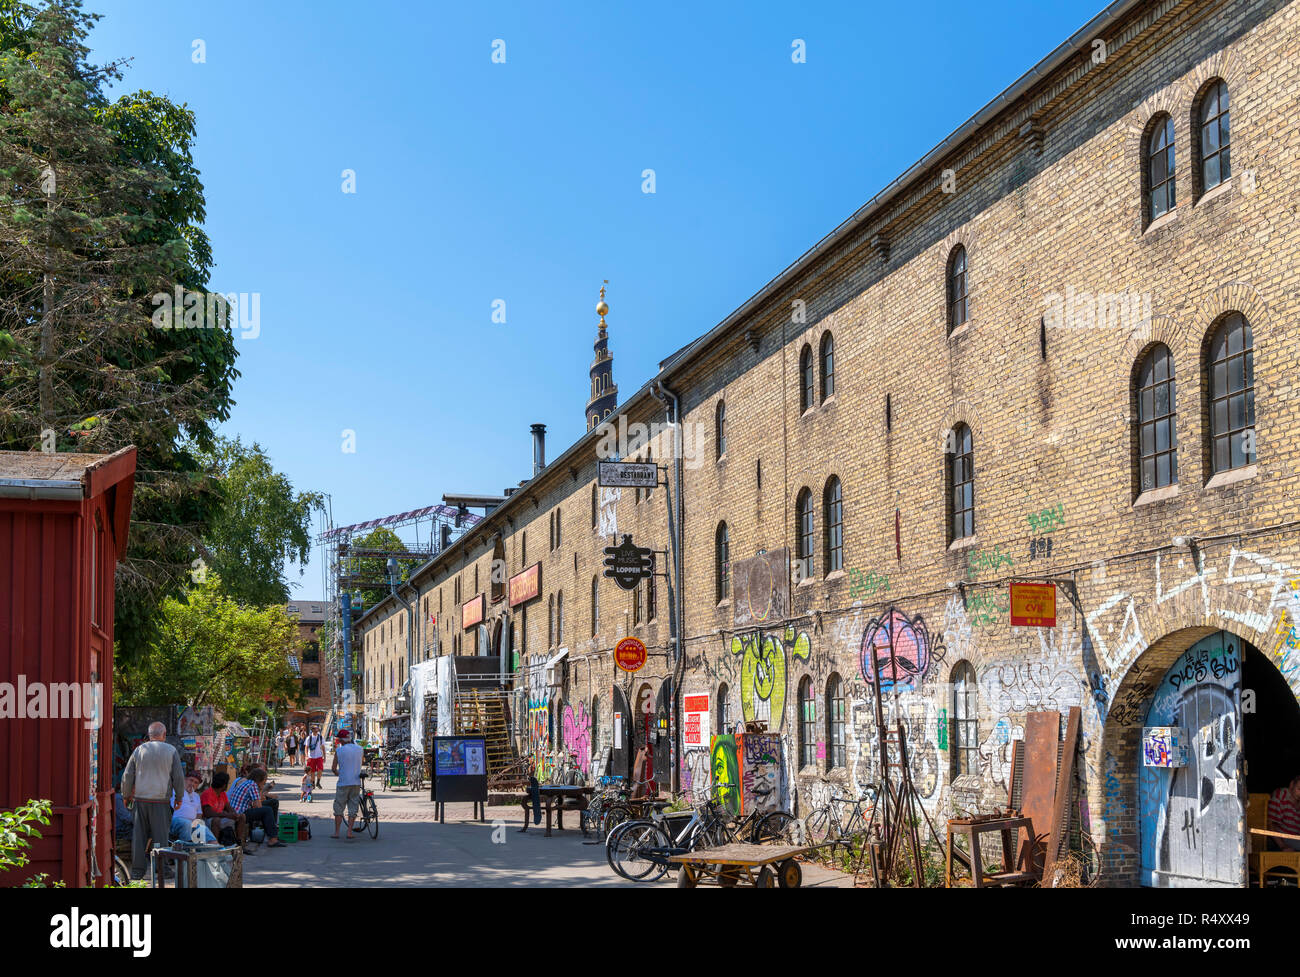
(17, 827)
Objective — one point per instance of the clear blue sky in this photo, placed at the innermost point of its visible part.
(522, 181)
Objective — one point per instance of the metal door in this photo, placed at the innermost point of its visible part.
(620, 719)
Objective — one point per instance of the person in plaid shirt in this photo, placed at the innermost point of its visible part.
(245, 797)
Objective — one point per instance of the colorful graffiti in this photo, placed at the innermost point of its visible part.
(866, 585)
(725, 767)
(760, 772)
(576, 735)
(696, 781)
(915, 652)
(763, 672)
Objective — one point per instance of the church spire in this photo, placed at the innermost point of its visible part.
(604, 394)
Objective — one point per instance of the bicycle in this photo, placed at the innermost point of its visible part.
(639, 850)
(827, 825)
(369, 811)
(415, 773)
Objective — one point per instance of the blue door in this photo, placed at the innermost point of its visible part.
(1193, 816)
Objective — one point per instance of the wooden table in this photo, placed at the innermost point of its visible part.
(1009, 828)
(552, 799)
(732, 864)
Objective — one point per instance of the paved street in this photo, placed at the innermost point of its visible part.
(414, 850)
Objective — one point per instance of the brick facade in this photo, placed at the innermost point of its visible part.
(1047, 200)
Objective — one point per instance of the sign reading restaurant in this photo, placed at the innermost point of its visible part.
(526, 585)
(627, 474)
(471, 612)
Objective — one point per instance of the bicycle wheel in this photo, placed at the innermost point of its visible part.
(121, 871)
(616, 814)
(625, 851)
(776, 828)
(818, 826)
(372, 817)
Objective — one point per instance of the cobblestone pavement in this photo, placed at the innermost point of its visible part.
(414, 850)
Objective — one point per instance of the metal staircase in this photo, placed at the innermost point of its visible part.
(486, 713)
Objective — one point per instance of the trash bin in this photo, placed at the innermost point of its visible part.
(288, 829)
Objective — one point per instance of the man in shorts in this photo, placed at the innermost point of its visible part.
(315, 745)
(347, 792)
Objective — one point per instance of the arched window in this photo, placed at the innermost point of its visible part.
(805, 379)
(724, 710)
(559, 618)
(1158, 163)
(828, 366)
(803, 535)
(595, 606)
(497, 575)
(1232, 394)
(964, 747)
(833, 521)
(722, 563)
(957, 290)
(720, 430)
(593, 507)
(807, 724)
(550, 621)
(961, 484)
(836, 755)
(1157, 427)
(1215, 137)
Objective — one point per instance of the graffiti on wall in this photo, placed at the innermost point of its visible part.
(866, 585)
(725, 768)
(695, 779)
(915, 651)
(760, 772)
(764, 668)
(1047, 520)
(985, 562)
(576, 734)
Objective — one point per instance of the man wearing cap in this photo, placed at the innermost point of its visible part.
(347, 792)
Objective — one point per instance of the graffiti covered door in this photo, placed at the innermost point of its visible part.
(620, 728)
(1193, 816)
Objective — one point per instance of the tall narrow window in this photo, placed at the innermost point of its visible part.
(833, 520)
(961, 484)
(805, 379)
(558, 531)
(807, 724)
(722, 563)
(1216, 149)
(593, 507)
(595, 606)
(720, 430)
(497, 575)
(1157, 428)
(957, 291)
(559, 619)
(965, 725)
(650, 610)
(650, 459)
(636, 603)
(803, 534)
(550, 621)
(1161, 195)
(1232, 394)
(835, 725)
(828, 366)
(724, 710)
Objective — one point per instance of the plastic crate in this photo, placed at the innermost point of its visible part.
(288, 828)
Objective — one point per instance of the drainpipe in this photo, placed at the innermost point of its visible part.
(410, 625)
(664, 394)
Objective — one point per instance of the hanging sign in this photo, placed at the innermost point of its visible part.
(471, 612)
(627, 474)
(525, 585)
(630, 655)
(1033, 605)
(628, 564)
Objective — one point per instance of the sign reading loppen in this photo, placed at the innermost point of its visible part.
(1033, 605)
(630, 655)
(471, 612)
(627, 474)
(629, 564)
(526, 585)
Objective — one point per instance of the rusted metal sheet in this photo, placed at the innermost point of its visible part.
(1064, 793)
(1042, 744)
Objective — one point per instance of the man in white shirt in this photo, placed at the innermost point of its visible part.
(315, 744)
(187, 810)
(347, 764)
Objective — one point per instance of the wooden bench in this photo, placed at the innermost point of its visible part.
(553, 800)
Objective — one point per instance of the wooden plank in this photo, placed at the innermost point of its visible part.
(1064, 791)
(741, 855)
(1042, 743)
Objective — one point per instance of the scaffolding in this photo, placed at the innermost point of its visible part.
(346, 571)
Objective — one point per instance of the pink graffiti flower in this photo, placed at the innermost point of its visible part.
(912, 650)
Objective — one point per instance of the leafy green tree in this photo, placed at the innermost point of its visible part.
(371, 572)
(262, 524)
(100, 211)
(211, 650)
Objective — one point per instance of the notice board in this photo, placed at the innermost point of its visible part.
(459, 769)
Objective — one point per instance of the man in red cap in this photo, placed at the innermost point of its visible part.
(347, 792)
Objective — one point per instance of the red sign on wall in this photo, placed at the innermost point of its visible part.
(1033, 605)
(526, 585)
(471, 612)
(630, 654)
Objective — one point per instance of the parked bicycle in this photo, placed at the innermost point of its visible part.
(840, 821)
(639, 850)
(415, 772)
(368, 815)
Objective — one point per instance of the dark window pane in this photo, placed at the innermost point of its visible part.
(1148, 473)
(1221, 454)
(1220, 379)
(1162, 470)
(1162, 436)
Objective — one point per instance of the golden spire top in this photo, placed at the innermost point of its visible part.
(602, 307)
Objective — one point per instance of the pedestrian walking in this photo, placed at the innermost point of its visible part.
(291, 745)
(315, 746)
(152, 776)
(347, 792)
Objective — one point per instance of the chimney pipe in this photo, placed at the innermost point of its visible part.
(539, 448)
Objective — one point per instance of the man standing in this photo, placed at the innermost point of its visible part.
(347, 764)
(152, 775)
(315, 754)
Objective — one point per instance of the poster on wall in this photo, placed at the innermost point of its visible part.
(1164, 746)
(695, 731)
(618, 731)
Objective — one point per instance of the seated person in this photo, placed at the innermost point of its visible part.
(216, 808)
(268, 799)
(124, 822)
(188, 809)
(246, 800)
(1284, 814)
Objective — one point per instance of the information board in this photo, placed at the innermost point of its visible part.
(459, 769)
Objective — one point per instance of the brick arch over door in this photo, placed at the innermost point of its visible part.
(1181, 621)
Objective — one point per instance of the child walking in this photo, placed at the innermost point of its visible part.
(307, 784)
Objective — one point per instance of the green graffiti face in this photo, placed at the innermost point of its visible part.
(762, 676)
(726, 773)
